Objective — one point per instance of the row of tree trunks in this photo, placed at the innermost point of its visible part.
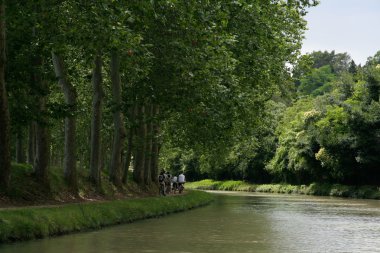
(119, 132)
(143, 145)
(70, 95)
(5, 155)
(96, 122)
(146, 145)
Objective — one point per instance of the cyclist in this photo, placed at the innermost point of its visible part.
(168, 179)
(161, 182)
(175, 184)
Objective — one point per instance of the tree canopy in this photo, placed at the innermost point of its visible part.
(130, 80)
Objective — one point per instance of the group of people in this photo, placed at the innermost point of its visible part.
(171, 183)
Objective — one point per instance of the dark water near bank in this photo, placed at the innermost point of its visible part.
(236, 222)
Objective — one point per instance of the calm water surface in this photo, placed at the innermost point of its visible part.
(236, 222)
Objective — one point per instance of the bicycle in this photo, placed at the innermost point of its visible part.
(175, 187)
(181, 187)
(162, 189)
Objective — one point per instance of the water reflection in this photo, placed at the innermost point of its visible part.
(236, 222)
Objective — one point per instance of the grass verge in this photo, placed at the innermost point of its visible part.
(336, 190)
(40, 222)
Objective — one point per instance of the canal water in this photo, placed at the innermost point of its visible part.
(235, 222)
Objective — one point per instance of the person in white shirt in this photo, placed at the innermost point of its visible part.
(181, 178)
(161, 182)
(181, 182)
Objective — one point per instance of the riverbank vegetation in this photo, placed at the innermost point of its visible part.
(38, 222)
(318, 189)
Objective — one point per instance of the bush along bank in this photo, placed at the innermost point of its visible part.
(336, 190)
(40, 222)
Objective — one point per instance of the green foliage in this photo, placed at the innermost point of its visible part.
(31, 223)
(318, 82)
(339, 62)
(373, 82)
(228, 107)
(294, 157)
(332, 137)
(374, 60)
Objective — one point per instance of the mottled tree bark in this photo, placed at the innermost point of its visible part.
(148, 145)
(5, 145)
(119, 132)
(96, 122)
(69, 91)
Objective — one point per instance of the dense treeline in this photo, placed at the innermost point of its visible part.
(332, 135)
(328, 133)
(100, 86)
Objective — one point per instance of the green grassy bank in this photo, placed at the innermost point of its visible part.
(37, 222)
(26, 190)
(337, 190)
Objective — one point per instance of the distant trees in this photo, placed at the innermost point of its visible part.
(332, 137)
(338, 62)
(318, 82)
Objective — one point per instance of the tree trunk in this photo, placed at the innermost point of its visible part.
(139, 157)
(31, 142)
(20, 157)
(119, 134)
(5, 145)
(131, 131)
(96, 122)
(149, 145)
(41, 162)
(69, 91)
(41, 142)
(156, 144)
